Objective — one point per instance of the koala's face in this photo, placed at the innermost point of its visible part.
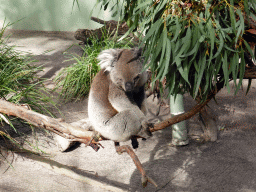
(124, 67)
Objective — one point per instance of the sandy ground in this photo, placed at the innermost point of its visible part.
(226, 165)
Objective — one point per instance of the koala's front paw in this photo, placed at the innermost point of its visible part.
(146, 127)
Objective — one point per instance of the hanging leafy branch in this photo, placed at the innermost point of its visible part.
(194, 44)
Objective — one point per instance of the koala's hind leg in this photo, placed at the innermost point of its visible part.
(135, 143)
(120, 127)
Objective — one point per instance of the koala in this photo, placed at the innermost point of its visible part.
(116, 105)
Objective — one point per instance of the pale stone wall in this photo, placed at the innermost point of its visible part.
(51, 15)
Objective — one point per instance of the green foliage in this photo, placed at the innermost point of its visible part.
(76, 79)
(20, 85)
(194, 44)
(18, 81)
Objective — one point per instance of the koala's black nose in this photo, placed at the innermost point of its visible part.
(129, 86)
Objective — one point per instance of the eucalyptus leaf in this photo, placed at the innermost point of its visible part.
(193, 47)
(241, 72)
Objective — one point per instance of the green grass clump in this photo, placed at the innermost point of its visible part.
(76, 79)
(18, 81)
(19, 84)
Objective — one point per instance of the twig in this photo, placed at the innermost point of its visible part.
(145, 179)
(181, 117)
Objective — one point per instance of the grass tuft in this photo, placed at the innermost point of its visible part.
(76, 79)
(19, 84)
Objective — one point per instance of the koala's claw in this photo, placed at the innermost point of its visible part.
(148, 132)
(146, 127)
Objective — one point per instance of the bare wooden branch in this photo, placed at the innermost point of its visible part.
(181, 117)
(145, 179)
(61, 128)
(75, 133)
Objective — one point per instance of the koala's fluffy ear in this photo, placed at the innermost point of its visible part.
(137, 52)
(107, 58)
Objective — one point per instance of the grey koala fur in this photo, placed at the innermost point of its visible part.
(116, 105)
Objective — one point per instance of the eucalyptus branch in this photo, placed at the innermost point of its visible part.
(54, 125)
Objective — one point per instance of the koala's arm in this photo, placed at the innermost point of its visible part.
(121, 102)
(144, 108)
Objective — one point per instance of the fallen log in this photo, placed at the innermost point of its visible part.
(108, 26)
(121, 28)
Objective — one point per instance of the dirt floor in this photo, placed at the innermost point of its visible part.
(226, 165)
